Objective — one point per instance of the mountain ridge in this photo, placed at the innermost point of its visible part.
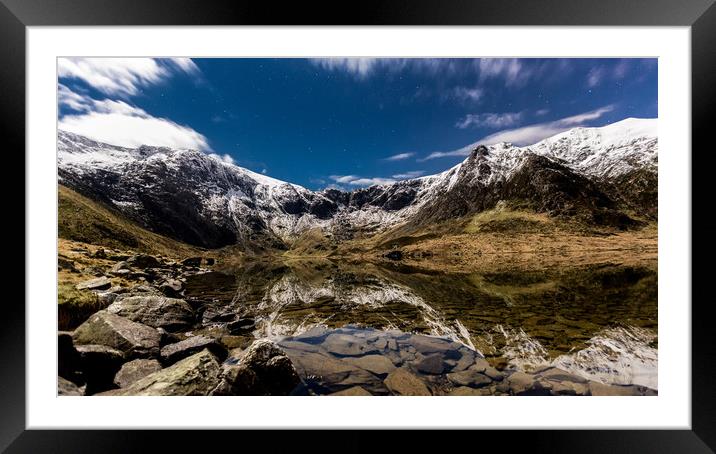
(197, 198)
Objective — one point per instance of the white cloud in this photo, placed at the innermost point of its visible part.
(527, 135)
(534, 133)
(354, 180)
(399, 156)
(408, 175)
(123, 76)
(489, 120)
(542, 112)
(225, 158)
(119, 123)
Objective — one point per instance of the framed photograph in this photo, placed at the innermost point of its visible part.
(463, 216)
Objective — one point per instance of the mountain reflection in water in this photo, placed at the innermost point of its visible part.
(598, 321)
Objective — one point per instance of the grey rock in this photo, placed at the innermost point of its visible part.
(119, 266)
(67, 388)
(241, 326)
(171, 287)
(263, 369)
(100, 283)
(238, 380)
(133, 340)
(66, 264)
(196, 375)
(143, 261)
(172, 314)
(174, 352)
(135, 370)
(191, 261)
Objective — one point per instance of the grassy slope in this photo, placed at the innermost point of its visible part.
(84, 220)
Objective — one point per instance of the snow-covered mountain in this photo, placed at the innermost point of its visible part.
(202, 200)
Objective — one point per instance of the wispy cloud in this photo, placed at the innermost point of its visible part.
(465, 94)
(595, 76)
(527, 135)
(363, 67)
(489, 120)
(359, 67)
(512, 70)
(408, 175)
(355, 180)
(124, 76)
(119, 123)
(542, 112)
(399, 156)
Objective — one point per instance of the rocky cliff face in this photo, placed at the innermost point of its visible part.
(593, 173)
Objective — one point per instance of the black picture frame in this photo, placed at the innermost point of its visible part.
(700, 15)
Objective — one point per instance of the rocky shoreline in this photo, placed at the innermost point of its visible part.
(147, 338)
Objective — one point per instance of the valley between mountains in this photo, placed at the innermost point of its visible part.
(519, 271)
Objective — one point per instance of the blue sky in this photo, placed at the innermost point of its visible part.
(346, 122)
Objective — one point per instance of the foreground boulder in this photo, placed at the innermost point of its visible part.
(99, 365)
(132, 339)
(264, 369)
(196, 375)
(67, 388)
(135, 370)
(172, 314)
(68, 360)
(180, 350)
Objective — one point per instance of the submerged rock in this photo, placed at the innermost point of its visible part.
(469, 377)
(353, 391)
(431, 364)
(132, 339)
(376, 364)
(347, 345)
(403, 383)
